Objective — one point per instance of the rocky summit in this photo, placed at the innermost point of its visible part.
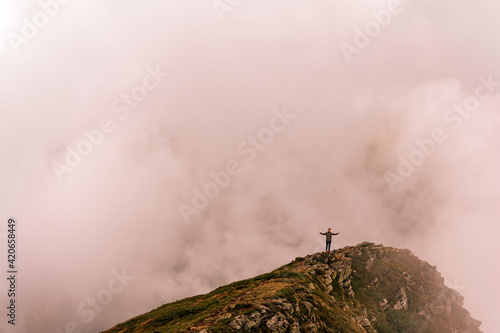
(363, 288)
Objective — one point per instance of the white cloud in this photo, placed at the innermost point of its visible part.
(120, 207)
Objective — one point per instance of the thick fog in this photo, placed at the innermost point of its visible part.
(156, 150)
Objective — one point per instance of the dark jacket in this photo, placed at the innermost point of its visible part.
(329, 235)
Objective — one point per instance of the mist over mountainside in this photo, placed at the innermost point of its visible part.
(362, 288)
(157, 150)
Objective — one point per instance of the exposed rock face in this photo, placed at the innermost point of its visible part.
(365, 288)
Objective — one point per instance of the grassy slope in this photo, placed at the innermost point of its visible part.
(303, 282)
(240, 297)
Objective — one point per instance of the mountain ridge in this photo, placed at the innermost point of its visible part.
(362, 288)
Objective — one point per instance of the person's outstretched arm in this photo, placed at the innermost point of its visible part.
(336, 233)
(322, 233)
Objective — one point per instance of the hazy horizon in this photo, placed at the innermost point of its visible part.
(229, 133)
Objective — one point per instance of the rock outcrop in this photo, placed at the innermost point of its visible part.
(364, 288)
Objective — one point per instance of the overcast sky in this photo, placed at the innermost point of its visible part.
(156, 150)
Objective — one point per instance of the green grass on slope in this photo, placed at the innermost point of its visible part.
(378, 274)
(181, 315)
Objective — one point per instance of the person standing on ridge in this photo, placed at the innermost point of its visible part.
(329, 234)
